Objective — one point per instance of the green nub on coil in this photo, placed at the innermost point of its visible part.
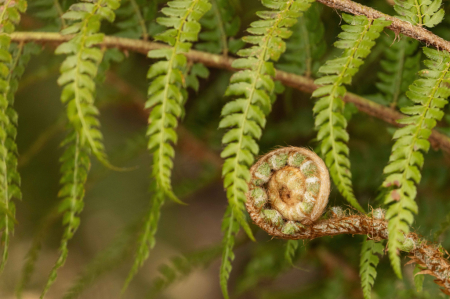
(296, 159)
(278, 161)
(259, 196)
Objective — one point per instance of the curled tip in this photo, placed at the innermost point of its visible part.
(108, 164)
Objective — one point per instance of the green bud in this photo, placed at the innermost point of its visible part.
(291, 228)
(278, 161)
(273, 217)
(296, 159)
(259, 196)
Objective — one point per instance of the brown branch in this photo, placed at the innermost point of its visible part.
(386, 114)
(428, 255)
(397, 25)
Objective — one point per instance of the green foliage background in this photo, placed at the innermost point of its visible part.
(185, 262)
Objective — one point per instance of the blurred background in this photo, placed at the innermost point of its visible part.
(189, 237)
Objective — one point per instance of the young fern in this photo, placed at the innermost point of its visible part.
(166, 98)
(368, 265)
(306, 45)
(356, 40)
(420, 12)
(80, 68)
(75, 164)
(429, 94)
(220, 24)
(9, 177)
(400, 65)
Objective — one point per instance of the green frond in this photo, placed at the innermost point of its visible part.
(418, 278)
(80, 67)
(245, 116)
(230, 228)
(50, 11)
(166, 98)
(306, 45)
(399, 68)
(10, 70)
(356, 40)
(266, 263)
(420, 12)
(75, 164)
(368, 265)
(104, 262)
(32, 255)
(180, 267)
(133, 17)
(220, 24)
(429, 94)
(146, 240)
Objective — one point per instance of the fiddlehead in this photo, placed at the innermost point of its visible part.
(429, 94)
(356, 41)
(9, 177)
(167, 96)
(288, 189)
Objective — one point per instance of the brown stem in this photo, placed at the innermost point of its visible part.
(428, 255)
(386, 114)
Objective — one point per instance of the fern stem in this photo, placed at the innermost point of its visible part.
(2, 15)
(223, 34)
(141, 19)
(305, 37)
(60, 13)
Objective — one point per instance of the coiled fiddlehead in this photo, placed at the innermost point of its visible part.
(289, 188)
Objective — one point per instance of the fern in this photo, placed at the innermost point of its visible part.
(50, 11)
(80, 68)
(420, 12)
(368, 265)
(180, 267)
(220, 25)
(104, 262)
(34, 251)
(245, 116)
(9, 177)
(356, 40)
(306, 46)
(74, 168)
(429, 94)
(133, 17)
(166, 99)
(400, 65)
(230, 228)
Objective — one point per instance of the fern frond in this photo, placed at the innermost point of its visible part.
(34, 251)
(50, 11)
(400, 66)
(253, 86)
(75, 164)
(180, 267)
(368, 265)
(429, 93)
(219, 25)
(9, 177)
(146, 240)
(104, 262)
(420, 12)
(80, 68)
(356, 41)
(133, 17)
(306, 45)
(166, 98)
(230, 228)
